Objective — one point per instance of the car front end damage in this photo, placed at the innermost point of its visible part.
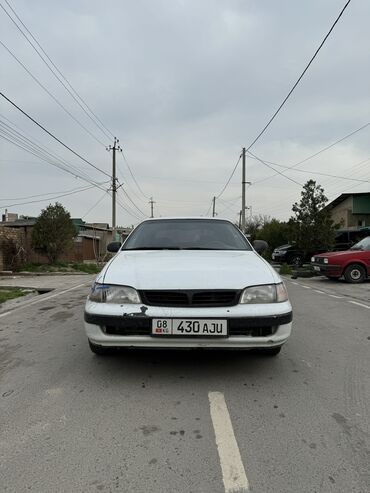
(236, 325)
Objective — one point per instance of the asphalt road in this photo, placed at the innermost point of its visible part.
(146, 421)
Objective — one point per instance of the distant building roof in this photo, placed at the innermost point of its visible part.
(345, 196)
(19, 223)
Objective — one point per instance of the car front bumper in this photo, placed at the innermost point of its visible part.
(130, 326)
(330, 270)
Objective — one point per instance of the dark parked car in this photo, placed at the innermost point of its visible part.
(344, 239)
(289, 254)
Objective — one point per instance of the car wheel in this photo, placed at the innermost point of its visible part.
(355, 273)
(297, 261)
(270, 351)
(99, 350)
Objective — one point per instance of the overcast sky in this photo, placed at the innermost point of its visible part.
(184, 85)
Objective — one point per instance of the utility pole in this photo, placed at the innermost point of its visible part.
(114, 186)
(214, 207)
(240, 219)
(243, 191)
(151, 202)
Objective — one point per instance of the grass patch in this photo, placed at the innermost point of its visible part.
(285, 269)
(62, 267)
(11, 294)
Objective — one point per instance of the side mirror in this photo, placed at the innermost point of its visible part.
(260, 246)
(114, 246)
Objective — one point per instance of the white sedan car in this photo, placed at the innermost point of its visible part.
(187, 283)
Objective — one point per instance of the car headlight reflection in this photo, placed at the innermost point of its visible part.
(108, 293)
(267, 293)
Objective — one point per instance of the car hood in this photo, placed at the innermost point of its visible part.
(338, 254)
(188, 269)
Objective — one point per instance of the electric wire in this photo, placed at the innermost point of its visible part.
(34, 153)
(315, 153)
(52, 135)
(133, 176)
(40, 151)
(95, 205)
(50, 198)
(42, 194)
(230, 178)
(277, 171)
(133, 203)
(55, 99)
(66, 84)
(288, 168)
(300, 77)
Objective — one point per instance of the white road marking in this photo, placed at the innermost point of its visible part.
(3, 314)
(306, 287)
(359, 304)
(44, 299)
(318, 291)
(233, 473)
(334, 296)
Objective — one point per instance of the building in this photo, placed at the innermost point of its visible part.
(351, 210)
(8, 216)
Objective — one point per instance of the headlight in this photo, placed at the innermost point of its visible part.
(267, 293)
(106, 293)
(326, 260)
(312, 259)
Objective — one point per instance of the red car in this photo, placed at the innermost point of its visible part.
(353, 264)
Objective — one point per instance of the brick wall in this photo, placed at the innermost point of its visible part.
(12, 252)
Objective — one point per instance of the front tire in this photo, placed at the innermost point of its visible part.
(99, 350)
(296, 260)
(355, 273)
(270, 351)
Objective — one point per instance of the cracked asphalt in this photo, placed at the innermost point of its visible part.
(140, 421)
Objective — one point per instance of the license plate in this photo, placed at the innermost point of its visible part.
(316, 267)
(189, 327)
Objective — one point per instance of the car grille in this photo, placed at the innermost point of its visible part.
(319, 260)
(239, 327)
(203, 298)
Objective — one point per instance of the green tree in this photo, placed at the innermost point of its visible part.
(53, 232)
(276, 233)
(312, 224)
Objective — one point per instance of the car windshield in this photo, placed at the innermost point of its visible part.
(364, 244)
(186, 234)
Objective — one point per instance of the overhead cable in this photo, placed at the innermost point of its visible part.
(300, 77)
(66, 84)
(52, 135)
(54, 98)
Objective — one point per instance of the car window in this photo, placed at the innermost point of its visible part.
(191, 234)
(364, 244)
(341, 237)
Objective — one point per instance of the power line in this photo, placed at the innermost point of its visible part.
(45, 194)
(69, 88)
(277, 171)
(50, 198)
(55, 99)
(229, 180)
(132, 202)
(95, 205)
(288, 168)
(52, 135)
(28, 148)
(299, 78)
(19, 139)
(133, 176)
(315, 153)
